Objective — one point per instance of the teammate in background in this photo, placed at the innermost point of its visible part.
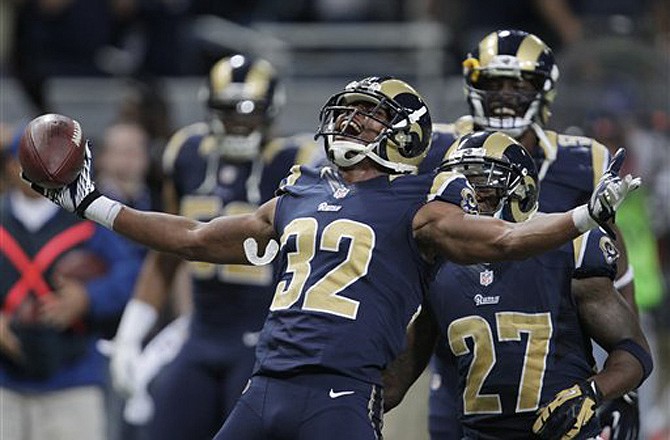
(510, 84)
(54, 306)
(227, 165)
(518, 333)
(356, 244)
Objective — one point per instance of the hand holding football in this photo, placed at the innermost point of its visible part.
(51, 150)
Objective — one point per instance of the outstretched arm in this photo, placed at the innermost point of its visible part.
(217, 241)
(446, 230)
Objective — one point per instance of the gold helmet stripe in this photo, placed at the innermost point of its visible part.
(220, 75)
(496, 144)
(529, 51)
(394, 87)
(488, 48)
(258, 79)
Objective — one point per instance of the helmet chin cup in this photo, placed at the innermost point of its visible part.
(346, 153)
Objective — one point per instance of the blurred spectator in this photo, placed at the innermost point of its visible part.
(332, 10)
(57, 37)
(60, 278)
(145, 104)
(122, 165)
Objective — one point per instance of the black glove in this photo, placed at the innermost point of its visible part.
(76, 196)
(622, 415)
(611, 192)
(571, 410)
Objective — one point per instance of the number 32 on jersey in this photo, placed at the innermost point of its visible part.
(324, 294)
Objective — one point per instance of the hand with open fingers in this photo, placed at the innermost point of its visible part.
(611, 192)
(570, 411)
(76, 196)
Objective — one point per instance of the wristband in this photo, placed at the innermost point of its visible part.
(639, 353)
(138, 318)
(103, 211)
(582, 219)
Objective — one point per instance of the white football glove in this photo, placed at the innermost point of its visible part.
(611, 192)
(76, 196)
(126, 348)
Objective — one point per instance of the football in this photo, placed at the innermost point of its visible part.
(52, 150)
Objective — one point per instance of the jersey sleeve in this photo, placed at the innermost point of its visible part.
(595, 255)
(452, 187)
(289, 184)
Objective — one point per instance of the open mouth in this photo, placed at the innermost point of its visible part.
(350, 127)
(503, 111)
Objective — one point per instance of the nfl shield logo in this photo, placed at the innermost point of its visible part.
(486, 277)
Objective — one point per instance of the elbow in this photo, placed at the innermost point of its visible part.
(192, 247)
(509, 247)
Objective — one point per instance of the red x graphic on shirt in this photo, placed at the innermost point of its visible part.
(32, 271)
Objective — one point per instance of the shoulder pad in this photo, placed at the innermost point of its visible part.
(178, 140)
(599, 153)
(305, 147)
(595, 254)
(453, 187)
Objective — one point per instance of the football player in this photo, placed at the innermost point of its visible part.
(356, 243)
(517, 334)
(510, 85)
(227, 165)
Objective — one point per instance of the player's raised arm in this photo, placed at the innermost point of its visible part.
(446, 229)
(218, 241)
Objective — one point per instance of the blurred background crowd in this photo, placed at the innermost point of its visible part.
(130, 71)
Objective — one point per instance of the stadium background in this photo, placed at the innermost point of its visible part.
(90, 58)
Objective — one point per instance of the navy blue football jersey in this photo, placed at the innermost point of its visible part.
(569, 181)
(208, 186)
(513, 332)
(351, 276)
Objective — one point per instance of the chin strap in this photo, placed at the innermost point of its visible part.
(550, 150)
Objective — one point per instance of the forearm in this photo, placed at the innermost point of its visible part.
(621, 373)
(158, 231)
(156, 277)
(399, 376)
(489, 239)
